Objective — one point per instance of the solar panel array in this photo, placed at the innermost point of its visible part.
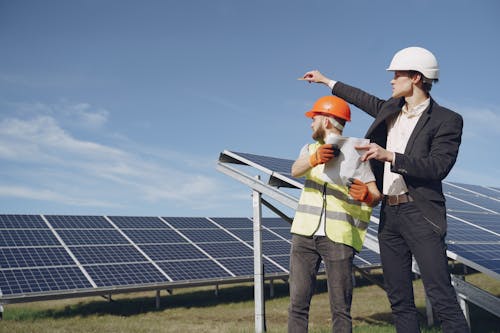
(473, 211)
(54, 254)
(474, 226)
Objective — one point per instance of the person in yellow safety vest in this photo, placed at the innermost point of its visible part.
(330, 221)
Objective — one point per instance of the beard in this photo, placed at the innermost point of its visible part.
(319, 134)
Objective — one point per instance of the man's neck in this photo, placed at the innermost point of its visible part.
(418, 97)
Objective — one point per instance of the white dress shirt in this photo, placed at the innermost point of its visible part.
(400, 128)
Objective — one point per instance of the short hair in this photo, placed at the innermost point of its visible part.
(426, 82)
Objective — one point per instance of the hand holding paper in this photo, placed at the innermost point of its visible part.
(374, 151)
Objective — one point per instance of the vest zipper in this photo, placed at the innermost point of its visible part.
(323, 210)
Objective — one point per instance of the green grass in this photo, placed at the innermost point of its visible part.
(232, 310)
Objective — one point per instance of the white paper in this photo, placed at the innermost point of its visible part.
(348, 164)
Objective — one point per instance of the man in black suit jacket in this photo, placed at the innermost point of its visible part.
(414, 144)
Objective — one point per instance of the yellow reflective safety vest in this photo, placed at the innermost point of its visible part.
(346, 219)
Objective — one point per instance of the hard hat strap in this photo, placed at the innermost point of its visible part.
(336, 124)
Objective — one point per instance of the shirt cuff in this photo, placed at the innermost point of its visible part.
(393, 159)
(331, 83)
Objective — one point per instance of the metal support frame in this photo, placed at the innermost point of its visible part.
(257, 263)
(470, 293)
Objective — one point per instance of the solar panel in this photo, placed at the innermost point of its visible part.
(227, 249)
(37, 280)
(154, 236)
(275, 247)
(233, 222)
(472, 197)
(22, 221)
(486, 221)
(125, 274)
(208, 235)
(180, 251)
(134, 222)
(14, 257)
(27, 237)
(282, 260)
(88, 255)
(247, 234)
(91, 236)
(194, 270)
(189, 222)
(77, 222)
(55, 254)
(278, 169)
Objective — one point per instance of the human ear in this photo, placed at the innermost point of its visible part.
(326, 122)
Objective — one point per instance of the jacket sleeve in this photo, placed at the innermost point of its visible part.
(442, 152)
(361, 99)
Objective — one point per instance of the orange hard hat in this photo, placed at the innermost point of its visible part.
(331, 106)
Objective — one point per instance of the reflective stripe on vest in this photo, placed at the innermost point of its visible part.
(341, 216)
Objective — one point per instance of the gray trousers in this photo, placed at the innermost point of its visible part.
(306, 256)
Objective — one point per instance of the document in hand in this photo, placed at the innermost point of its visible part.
(348, 164)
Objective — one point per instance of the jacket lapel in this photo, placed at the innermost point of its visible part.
(382, 118)
(418, 127)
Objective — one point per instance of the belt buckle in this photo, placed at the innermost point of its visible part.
(395, 200)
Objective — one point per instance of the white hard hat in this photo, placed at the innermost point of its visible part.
(416, 59)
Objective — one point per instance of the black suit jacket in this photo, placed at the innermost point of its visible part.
(430, 153)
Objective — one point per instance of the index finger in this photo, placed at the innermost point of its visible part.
(365, 147)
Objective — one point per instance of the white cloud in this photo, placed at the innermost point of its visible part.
(72, 115)
(79, 172)
(42, 139)
(49, 195)
(86, 115)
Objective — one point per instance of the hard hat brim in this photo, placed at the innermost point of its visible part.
(311, 114)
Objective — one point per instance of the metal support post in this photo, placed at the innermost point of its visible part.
(271, 288)
(258, 266)
(157, 299)
(461, 298)
(464, 306)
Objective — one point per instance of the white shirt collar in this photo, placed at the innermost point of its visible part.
(417, 110)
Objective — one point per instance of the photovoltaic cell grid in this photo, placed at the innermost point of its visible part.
(65, 253)
(57, 254)
(32, 260)
(474, 225)
(473, 216)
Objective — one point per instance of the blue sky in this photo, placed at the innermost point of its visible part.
(122, 107)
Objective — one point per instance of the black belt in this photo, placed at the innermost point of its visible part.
(394, 200)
